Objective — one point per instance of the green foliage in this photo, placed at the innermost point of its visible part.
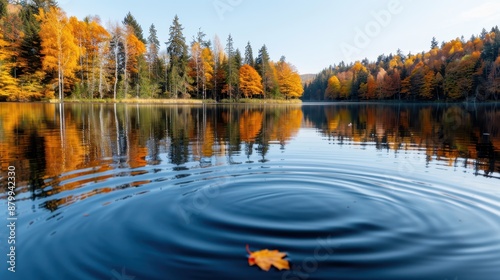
(232, 68)
(129, 20)
(453, 71)
(3, 8)
(177, 50)
(249, 55)
(315, 89)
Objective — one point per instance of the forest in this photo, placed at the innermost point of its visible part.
(44, 54)
(458, 70)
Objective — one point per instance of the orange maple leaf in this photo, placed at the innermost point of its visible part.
(265, 258)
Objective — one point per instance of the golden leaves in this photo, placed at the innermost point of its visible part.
(250, 81)
(58, 43)
(266, 258)
(289, 81)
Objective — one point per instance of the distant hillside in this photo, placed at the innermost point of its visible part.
(307, 78)
(457, 70)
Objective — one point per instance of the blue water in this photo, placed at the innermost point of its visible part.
(152, 192)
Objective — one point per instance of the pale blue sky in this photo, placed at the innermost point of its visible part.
(311, 34)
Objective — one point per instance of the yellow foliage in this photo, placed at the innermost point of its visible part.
(289, 81)
(333, 89)
(60, 52)
(208, 63)
(250, 125)
(357, 67)
(250, 81)
(287, 125)
(395, 62)
(135, 48)
(8, 84)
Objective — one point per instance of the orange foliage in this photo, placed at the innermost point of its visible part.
(265, 259)
(250, 81)
(289, 80)
(333, 89)
(250, 125)
(135, 48)
(58, 45)
(287, 124)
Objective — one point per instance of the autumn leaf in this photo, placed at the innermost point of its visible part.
(265, 258)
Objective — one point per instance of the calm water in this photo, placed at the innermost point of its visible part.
(175, 192)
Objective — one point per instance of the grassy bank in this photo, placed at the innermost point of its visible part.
(260, 101)
(134, 101)
(181, 101)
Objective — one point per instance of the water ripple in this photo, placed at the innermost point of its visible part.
(334, 222)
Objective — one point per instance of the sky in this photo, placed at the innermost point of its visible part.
(311, 34)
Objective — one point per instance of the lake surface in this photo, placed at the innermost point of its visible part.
(348, 191)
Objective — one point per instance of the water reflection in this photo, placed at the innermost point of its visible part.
(58, 148)
(451, 134)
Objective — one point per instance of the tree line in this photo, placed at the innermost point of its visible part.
(45, 54)
(458, 70)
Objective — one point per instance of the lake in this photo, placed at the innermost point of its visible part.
(348, 191)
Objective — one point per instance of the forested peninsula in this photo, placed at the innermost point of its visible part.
(458, 70)
(47, 55)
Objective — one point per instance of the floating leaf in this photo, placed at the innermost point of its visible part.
(265, 258)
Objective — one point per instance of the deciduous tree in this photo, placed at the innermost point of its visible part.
(289, 80)
(58, 45)
(333, 89)
(250, 81)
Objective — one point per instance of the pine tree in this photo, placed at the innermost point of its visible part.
(231, 67)
(3, 8)
(30, 47)
(434, 43)
(264, 70)
(129, 20)
(249, 55)
(178, 53)
(155, 64)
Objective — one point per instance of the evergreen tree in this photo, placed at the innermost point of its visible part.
(129, 20)
(153, 43)
(30, 56)
(200, 39)
(249, 55)
(264, 70)
(30, 46)
(155, 64)
(231, 67)
(238, 59)
(434, 43)
(492, 46)
(3, 8)
(177, 50)
(483, 34)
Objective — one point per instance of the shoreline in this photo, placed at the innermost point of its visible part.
(180, 101)
(247, 102)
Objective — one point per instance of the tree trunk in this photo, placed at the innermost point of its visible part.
(116, 72)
